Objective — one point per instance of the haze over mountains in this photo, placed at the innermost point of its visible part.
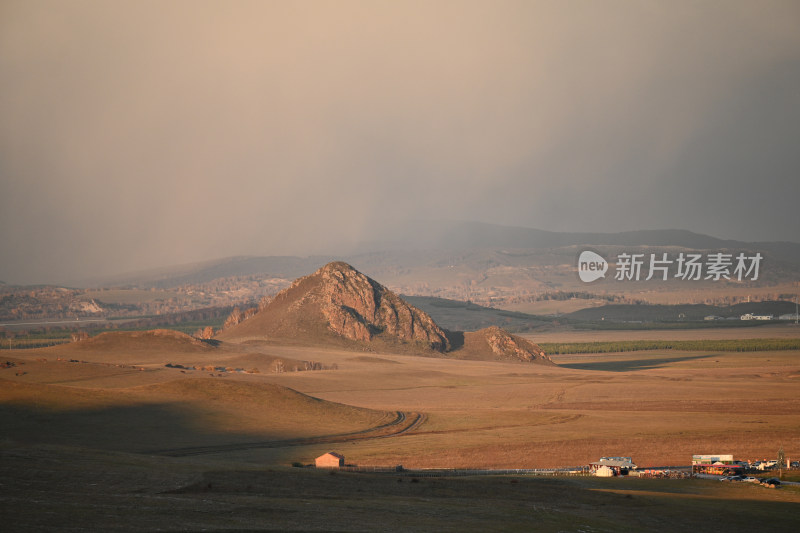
(431, 243)
(511, 268)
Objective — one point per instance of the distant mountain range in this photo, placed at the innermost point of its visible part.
(470, 235)
(480, 235)
(287, 267)
(435, 244)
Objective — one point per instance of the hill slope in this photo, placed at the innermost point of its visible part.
(163, 340)
(179, 413)
(160, 347)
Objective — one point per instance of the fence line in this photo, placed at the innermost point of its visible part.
(454, 472)
(24, 344)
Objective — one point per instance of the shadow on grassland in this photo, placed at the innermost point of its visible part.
(632, 364)
(128, 428)
(492, 503)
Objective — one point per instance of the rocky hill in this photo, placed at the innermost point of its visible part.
(339, 305)
(339, 302)
(496, 343)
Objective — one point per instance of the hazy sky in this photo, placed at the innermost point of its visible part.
(137, 134)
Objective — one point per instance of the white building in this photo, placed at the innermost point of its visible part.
(751, 316)
(604, 471)
(617, 465)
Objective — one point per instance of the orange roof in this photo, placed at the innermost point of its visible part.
(337, 455)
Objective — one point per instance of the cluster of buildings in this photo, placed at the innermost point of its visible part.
(722, 465)
(612, 466)
(752, 316)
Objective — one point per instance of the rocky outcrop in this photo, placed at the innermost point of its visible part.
(496, 343)
(347, 304)
(338, 305)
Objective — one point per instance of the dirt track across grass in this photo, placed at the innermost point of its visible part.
(402, 424)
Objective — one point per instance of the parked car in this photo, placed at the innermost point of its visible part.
(772, 482)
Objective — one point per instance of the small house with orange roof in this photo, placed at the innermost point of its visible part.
(329, 460)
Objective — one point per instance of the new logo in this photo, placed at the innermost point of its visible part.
(591, 266)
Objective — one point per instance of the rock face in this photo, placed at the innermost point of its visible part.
(357, 307)
(337, 299)
(496, 343)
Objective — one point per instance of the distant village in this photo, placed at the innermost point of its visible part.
(721, 466)
(751, 316)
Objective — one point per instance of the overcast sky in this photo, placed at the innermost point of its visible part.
(137, 134)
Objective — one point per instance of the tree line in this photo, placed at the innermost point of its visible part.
(730, 345)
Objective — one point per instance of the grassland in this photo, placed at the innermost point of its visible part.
(83, 442)
(506, 415)
(68, 490)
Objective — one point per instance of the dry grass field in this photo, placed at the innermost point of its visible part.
(88, 430)
(659, 408)
(52, 489)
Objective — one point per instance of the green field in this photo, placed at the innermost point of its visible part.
(719, 345)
